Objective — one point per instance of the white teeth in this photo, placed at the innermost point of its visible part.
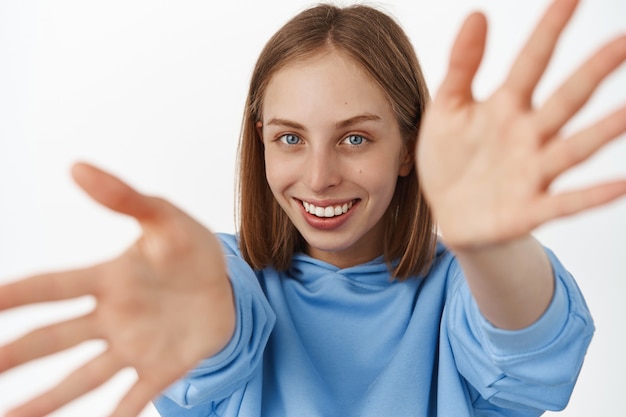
(329, 211)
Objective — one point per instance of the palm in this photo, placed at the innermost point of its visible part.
(161, 306)
(487, 162)
(486, 167)
(146, 299)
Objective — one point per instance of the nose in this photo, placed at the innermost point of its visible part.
(321, 170)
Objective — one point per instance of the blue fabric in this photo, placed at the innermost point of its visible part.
(322, 341)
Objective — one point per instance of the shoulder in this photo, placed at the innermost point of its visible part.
(444, 265)
(230, 244)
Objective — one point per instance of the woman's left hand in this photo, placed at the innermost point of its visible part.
(486, 167)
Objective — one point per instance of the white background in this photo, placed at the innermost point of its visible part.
(154, 90)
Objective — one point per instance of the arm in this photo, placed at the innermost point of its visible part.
(511, 282)
(486, 167)
(227, 379)
(534, 368)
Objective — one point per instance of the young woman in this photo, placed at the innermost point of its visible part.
(338, 297)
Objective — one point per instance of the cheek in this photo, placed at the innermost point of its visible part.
(378, 173)
(278, 173)
(380, 184)
(271, 174)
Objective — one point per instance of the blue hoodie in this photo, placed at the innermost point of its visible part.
(318, 340)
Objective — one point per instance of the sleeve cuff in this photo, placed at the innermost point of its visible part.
(534, 337)
(566, 302)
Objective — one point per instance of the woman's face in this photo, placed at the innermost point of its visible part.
(333, 153)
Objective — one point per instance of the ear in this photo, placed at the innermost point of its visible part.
(407, 159)
(259, 130)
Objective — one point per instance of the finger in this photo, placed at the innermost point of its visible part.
(48, 287)
(561, 155)
(87, 378)
(566, 204)
(113, 193)
(575, 92)
(535, 55)
(46, 341)
(465, 57)
(137, 398)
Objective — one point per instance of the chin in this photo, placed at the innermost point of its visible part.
(329, 244)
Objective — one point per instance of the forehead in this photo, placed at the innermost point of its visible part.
(328, 83)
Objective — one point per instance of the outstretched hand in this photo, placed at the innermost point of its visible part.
(486, 167)
(161, 306)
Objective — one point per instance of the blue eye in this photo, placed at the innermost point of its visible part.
(290, 139)
(355, 139)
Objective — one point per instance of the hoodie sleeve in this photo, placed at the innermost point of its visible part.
(529, 369)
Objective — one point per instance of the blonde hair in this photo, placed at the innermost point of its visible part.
(377, 43)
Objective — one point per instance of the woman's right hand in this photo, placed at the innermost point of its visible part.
(161, 306)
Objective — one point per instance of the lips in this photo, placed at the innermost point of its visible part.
(328, 215)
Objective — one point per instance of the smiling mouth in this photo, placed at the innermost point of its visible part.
(328, 211)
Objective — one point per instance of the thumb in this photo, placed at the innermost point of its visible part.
(113, 193)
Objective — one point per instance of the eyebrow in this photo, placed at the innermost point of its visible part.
(285, 123)
(366, 117)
